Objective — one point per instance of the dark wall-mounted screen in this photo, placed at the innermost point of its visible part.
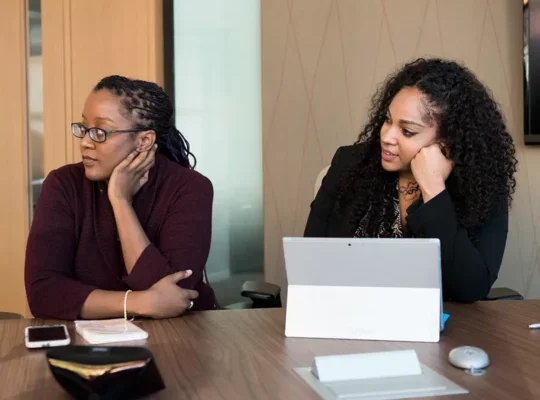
(531, 70)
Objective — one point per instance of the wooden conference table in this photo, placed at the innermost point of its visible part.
(243, 354)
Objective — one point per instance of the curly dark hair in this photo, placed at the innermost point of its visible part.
(471, 126)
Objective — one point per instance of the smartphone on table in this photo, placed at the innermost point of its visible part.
(36, 337)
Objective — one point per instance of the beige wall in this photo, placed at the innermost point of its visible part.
(322, 60)
(14, 205)
(84, 41)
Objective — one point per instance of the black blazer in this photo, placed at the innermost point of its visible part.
(468, 269)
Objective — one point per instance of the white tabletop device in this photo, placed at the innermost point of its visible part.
(373, 289)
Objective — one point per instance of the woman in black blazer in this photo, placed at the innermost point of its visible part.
(435, 160)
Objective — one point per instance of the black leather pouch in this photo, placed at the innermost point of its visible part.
(100, 372)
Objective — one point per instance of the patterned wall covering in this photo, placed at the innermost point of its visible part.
(322, 60)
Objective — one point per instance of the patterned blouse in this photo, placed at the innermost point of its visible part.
(396, 229)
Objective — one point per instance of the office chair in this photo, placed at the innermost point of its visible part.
(260, 295)
(8, 315)
(267, 295)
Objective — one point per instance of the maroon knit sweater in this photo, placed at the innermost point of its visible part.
(73, 247)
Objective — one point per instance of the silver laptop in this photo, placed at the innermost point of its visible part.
(372, 289)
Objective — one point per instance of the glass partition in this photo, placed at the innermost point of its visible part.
(35, 100)
(217, 90)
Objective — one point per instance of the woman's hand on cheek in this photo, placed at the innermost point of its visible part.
(130, 175)
(431, 169)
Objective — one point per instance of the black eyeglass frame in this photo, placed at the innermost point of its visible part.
(85, 129)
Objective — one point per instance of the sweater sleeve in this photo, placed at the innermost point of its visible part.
(184, 241)
(468, 269)
(51, 287)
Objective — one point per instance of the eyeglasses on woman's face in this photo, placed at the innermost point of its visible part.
(97, 134)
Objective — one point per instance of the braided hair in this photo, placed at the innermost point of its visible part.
(470, 124)
(150, 108)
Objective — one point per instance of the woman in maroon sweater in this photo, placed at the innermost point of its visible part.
(131, 222)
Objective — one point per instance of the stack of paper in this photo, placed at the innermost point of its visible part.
(109, 331)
